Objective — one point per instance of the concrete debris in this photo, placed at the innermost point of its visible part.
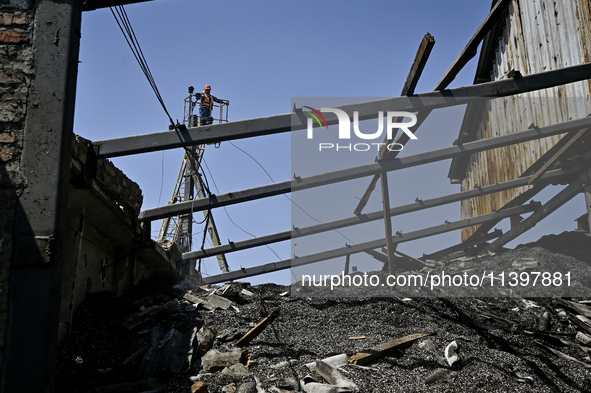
(525, 263)
(583, 339)
(289, 383)
(287, 363)
(335, 361)
(544, 321)
(211, 302)
(333, 377)
(230, 388)
(438, 375)
(236, 370)
(309, 385)
(247, 387)
(215, 360)
(450, 353)
(204, 340)
(246, 292)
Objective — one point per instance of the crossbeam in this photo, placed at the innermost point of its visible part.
(371, 245)
(373, 216)
(287, 122)
(360, 171)
(568, 193)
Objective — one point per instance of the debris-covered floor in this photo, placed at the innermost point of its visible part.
(158, 339)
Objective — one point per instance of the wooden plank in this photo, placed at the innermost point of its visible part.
(468, 53)
(386, 348)
(258, 329)
(418, 65)
(412, 79)
(557, 155)
(472, 47)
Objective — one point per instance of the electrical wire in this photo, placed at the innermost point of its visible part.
(228, 214)
(291, 200)
(124, 24)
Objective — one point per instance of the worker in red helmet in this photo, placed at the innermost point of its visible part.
(206, 100)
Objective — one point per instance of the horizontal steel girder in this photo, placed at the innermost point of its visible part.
(360, 171)
(371, 245)
(377, 215)
(288, 122)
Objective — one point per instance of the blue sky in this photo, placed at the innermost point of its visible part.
(258, 55)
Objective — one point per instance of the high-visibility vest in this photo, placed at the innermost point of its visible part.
(207, 100)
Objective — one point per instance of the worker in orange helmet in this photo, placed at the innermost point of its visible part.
(206, 104)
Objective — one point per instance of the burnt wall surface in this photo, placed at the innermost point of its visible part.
(16, 73)
(69, 221)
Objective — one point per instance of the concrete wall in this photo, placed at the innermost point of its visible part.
(16, 72)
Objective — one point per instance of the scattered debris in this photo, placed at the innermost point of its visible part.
(254, 332)
(450, 353)
(519, 377)
(236, 370)
(438, 375)
(565, 356)
(333, 377)
(215, 360)
(199, 387)
(335, 361)
(583, 339)
(386, 348)
(124, 344)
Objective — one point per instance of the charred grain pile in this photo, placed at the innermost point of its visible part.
(269, 338)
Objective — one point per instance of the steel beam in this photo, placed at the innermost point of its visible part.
(362, 247)
(360, 171)
(289, 122)
(377, 215)
(568, 193)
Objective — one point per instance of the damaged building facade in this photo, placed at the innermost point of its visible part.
(531, 37)
(72, 220)
(69, 220)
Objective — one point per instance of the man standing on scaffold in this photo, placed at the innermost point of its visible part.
(206, 104)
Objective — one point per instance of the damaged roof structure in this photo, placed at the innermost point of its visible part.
(528, 107)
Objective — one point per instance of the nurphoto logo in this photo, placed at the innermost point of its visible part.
(394, 120)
